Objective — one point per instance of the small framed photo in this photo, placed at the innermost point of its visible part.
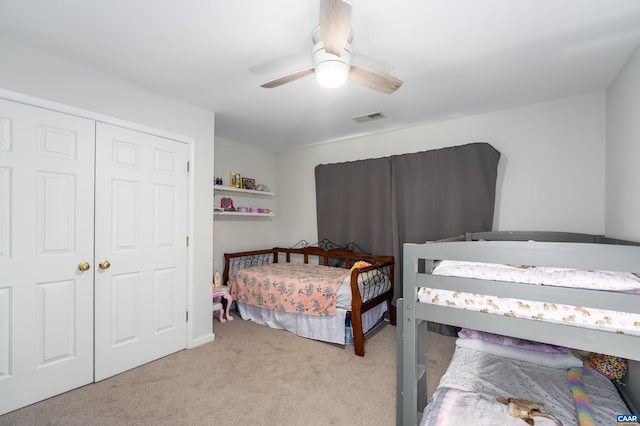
(248, 183)
(235, 180)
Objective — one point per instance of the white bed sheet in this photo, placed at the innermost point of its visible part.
(475, 371)
(318, 327)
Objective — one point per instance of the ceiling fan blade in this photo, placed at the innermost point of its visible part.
(375, 79)
(335, 25)
(287, 78)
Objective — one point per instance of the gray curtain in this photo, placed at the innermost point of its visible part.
(382, 203)
(354, 204)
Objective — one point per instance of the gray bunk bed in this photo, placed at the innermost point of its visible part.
(552, 249)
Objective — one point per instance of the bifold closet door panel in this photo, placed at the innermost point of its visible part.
(141, 230)
(46, 253)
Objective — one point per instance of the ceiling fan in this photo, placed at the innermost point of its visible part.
(332, 52)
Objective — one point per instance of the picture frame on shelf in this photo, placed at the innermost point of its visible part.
(235, 180)
(226, 204)
(248, 183)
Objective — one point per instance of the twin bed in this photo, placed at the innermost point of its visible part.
(451, 283)
(328, 293)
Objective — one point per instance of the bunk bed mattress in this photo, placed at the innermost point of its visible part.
(613, 321)
(476, 373)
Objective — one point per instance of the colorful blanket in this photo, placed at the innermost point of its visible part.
(580, 397)
(290, 287)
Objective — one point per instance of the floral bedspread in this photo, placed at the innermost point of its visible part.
(290, 287)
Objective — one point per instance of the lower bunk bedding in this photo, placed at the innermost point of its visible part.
(547, 385)
(282, 289)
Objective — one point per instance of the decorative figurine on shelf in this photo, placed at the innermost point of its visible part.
(227, 204)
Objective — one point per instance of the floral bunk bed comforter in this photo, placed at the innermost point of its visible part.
(583, 316)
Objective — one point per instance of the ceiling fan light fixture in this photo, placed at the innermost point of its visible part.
(331, 74)
(331, 71)
(332, 54)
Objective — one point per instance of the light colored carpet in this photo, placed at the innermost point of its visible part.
(250, 375)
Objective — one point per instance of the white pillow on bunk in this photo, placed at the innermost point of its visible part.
(547, 359)
(513, 342)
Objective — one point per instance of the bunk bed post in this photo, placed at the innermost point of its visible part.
(409, 362)
(421, 332)
(399, 359)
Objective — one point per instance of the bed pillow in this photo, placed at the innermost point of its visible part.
(362, 277)
(613, 367)
(512, 341)
(546, 359)
(360, 264)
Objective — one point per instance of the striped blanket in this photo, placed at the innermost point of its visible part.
(580, 397)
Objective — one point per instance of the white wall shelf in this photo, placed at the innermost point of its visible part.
(243, 198)
(222, 188)
(243, 214)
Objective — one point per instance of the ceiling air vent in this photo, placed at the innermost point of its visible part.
(369, 117)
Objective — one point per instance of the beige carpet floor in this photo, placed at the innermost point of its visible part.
(250, 375)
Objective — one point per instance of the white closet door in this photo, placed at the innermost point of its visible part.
(141, 230)
(46, 231)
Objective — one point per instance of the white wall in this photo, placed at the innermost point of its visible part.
(551, 173)
(36, 73)
(232, 234)
(623, 153)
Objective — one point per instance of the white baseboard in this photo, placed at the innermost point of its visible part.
(202, 340)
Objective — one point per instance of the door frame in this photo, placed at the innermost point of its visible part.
(79, 112)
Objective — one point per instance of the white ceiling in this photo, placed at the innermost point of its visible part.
(456, 57)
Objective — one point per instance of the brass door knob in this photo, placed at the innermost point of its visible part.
(104, 264)
(84, 266)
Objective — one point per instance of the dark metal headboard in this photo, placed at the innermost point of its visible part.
(326, 244)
